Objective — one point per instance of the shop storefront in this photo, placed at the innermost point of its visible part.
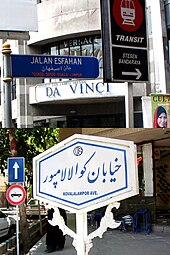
(84, 103)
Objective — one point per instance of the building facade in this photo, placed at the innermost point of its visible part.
(74, 28)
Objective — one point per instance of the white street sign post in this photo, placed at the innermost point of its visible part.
(83, 173)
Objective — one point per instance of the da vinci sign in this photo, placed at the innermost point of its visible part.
(84, 171)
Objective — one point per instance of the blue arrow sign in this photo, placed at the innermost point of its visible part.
(16, 169)
(43, 66)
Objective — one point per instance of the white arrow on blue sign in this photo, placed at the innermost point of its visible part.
(16, 169)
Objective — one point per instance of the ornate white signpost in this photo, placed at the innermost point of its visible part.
(83, 173)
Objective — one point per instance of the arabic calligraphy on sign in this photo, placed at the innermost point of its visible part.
(91, 176)
(52, 69)
(86, 173)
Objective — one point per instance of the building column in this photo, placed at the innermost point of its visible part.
(155, 27)
(129, 108)
(148, 169)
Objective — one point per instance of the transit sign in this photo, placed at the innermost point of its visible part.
(16, 194)
(124, 34)
(43, 66)
(128, 24)
(84, 171)
(16, 169)
(130, 64)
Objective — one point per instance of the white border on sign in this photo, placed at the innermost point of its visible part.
(132, 172)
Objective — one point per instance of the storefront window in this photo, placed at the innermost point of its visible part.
(84, 46)
(75, 51)
(54, 50)
(98, 54)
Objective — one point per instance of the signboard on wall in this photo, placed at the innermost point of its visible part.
(160, 110)
(18, 15)
(74, 90)
(95, 170)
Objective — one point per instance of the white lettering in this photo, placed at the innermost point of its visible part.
(42, 60)
(135, 39)
(67, 61)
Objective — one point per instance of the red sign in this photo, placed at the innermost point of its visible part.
(128, 14)
(16, 194)
(128, 25)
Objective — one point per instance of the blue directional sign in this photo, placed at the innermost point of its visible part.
(16, 169)
(43, 66)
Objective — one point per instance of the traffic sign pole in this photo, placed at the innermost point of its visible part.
(7, 109)
(107, 49)
(15, 195)
(17, 229)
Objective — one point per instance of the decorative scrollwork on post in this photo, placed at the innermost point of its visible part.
(106, 221)
(58, 220)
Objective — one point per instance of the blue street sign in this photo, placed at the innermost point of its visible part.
(16, 169)
(43, 66)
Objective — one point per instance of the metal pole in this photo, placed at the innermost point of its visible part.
(106, 38)
(17, 229)
(7, 78)
(129, 106)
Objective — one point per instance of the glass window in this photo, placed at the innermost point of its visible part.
(75, 51)
(54, 50)
(64, 48)
(83, 46)
(98, 54)
(87, 46)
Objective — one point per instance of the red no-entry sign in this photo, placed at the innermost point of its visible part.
(16, 194)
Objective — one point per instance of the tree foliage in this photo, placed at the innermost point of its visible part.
(27, 143)
(30, 142)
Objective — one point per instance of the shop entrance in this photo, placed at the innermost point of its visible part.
(162, 186)
(96, 121)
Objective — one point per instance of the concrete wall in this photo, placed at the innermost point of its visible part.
(60, 18)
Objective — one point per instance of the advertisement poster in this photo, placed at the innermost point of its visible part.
(160, 110)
